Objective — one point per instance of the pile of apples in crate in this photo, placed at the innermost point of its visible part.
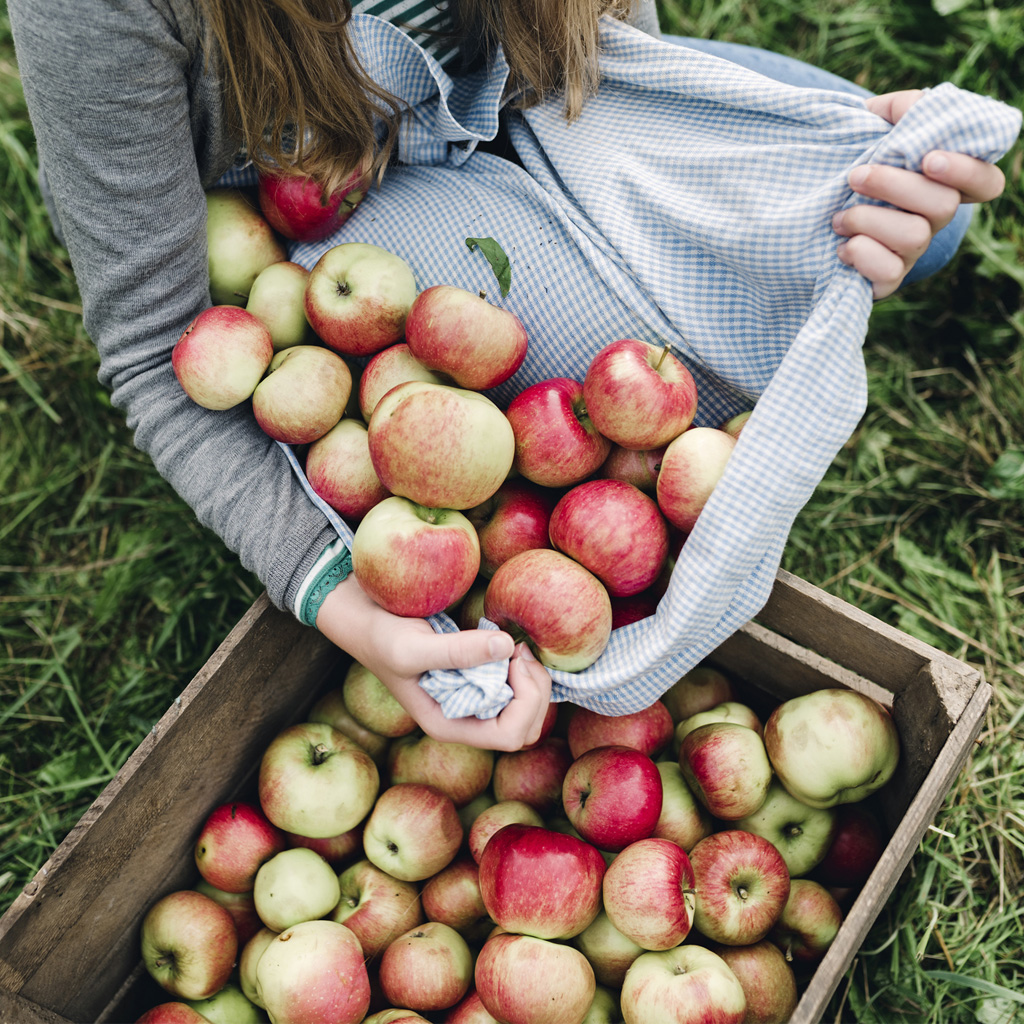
(685, 863)
(572, 501)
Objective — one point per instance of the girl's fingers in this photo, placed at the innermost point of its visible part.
(879, 264)
(907, 190)
(906, 234)
(975, 180)
(893, 105)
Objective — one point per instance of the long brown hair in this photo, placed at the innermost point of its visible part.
(295, 90)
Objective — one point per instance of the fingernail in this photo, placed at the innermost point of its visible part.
(936, 163)
(843, 255)
(525, 653)
(858, 176)
(837, 220)
(497, 647)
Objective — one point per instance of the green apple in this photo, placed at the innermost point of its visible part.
(293, 886)
(277, 298)
(229, 1006)
(240, 244)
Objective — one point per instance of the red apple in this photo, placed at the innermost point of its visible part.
(855, 849)
(336, 850)
(461, 334)
(413, 560)
(240, 905)
(639, 395)
(515, 518)
(649, 730)
(685, 985)
(440, 446)
(558, 607)
(809, 922)
(539, 882)
(638, 467)
(727, 768)
(613, 529)
(768, 981)
(221, 357)
(470, 1010)
(648, 893)
(390, 367)
(690, 469)
(298, 207)
(312, 973)
(340, 470)
(172, 1013)
(358, 297)
(413, 831)
(461, 771)
(375, 906)
(189, 944)
(452, 897)
(427, 968)
(526, 980)
(626, 610)
(534, 775)
(497, 816)
(235, 840)
(556, 444)
(612, 796)
(315, 781)
(742, 885)
(240, 244)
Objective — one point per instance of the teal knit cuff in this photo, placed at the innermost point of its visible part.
(326, 575)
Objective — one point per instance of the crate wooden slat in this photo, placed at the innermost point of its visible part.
(69, 943)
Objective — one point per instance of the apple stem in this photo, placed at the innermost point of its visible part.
(482, 294)
(664, 353)
(320, 753)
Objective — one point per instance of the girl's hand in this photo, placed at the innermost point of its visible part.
(399, 650)
(882, 243)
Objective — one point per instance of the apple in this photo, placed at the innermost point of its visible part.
(608, 951)
(626, 610)
(734, 424)
(315, 781)
(683, 818)
(414, 560)
(172, 1013)
(800, 833)
(303, 394)
(452, 896)
(767, 979)
(373, 705)
(336, 850)
(727, 768)
(235, 840)
(375, 906)
(247, 961)
(461, 771)
(340, 470)
(388, 368)
(460, 334)
(648, 893)
(832, 746)
(522, 979)
(427, 968)
(540, 882)
(553, 603)
(639, 395)
(612, 796)
(239, 905)
(299, 208)
(855, 849)
(314, 973)
(515, 518)
(604, 1009)
(277, 298)
(638, 467)
(700, 689)
(690, 469)
(358, 296)
(685, 985)
(470, 1010)
(240, 243)
(413, 831)
(221, 357)
(295, 885)
(729, 711)
(613, 529)
(498, 815)
(809, 922)
(228, 1006)
(742, 885)
(556, 444)
(440, 446)
(330, 709)
(393, 1015)
(533, 775)
(189, 944)
(648, 730)
(471, 607)
(468, 813)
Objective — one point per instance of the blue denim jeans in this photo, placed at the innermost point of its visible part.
(795, 72)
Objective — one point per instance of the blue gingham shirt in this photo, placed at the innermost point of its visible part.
(689, 205)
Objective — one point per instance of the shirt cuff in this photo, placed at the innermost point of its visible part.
(333, 565)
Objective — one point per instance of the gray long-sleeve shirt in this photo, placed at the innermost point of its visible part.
(130, 128)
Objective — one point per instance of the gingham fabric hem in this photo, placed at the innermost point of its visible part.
(689, 205)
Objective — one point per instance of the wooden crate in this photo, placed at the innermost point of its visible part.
(69, 944)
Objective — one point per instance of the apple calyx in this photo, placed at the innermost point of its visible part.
(165, 960)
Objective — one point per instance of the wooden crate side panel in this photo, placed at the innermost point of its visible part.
(15, 1009)
(71, 938)
(897, 855)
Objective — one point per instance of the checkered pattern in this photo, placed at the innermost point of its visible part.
(689, 205)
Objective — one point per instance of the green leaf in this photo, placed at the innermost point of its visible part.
(946, 7)
(497, 259)
(979, 984)
(1005, 477)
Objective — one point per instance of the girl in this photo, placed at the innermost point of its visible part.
(139, 106)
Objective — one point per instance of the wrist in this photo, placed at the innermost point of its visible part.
(332, 567)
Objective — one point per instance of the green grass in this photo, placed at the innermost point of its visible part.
(111, 596)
